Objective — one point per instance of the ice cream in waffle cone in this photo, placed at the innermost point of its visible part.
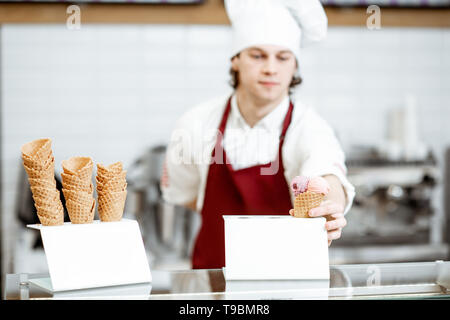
(309, 193)
(306, 201)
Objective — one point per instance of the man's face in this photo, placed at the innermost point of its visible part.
(265, 71)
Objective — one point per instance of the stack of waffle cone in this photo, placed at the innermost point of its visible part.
(306, 201)
(39, 164)
(78, 189)
(112, 191)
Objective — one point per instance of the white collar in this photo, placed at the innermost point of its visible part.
(272, 121)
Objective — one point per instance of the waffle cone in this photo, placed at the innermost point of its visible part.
(111, 196)
(84, 179)
(74, 183)
(85, 173)
(101, 179)
(305, 202)
(30, 148)
(50, 216)
(50, 220)
(79, 187)
(116, 186)
(49, 164)
(45, 193)
(73, 179)
(79, 166)
(47, 174)
(111, 170)
(54, 202)
(38, 149)
(39, 164)
(49, 205)
(42, 183)
(110, 213)
(111, 206)
(79, 213)
(108, 196)
(80, 197)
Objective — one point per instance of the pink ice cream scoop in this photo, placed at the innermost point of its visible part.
(299, 184)
(318, 185)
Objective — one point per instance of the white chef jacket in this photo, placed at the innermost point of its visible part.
(310, 147)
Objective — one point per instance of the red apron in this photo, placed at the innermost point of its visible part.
(238, 192)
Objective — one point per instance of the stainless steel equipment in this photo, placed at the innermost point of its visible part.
(396, 215)
(168, 230)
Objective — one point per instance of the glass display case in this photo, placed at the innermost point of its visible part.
(419, 280)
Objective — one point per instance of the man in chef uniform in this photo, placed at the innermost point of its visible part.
(237, 154)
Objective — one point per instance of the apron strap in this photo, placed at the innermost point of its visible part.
(286, 123)
(224, 120)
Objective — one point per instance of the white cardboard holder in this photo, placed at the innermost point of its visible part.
(98, 254)
(275, 248)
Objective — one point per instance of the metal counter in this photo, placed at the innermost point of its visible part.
(362, 281)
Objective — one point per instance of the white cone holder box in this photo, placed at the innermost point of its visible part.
(98, 254)
(275, 248)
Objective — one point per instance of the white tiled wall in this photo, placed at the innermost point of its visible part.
(110, 91)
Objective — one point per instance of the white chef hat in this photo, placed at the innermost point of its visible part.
(289, 23)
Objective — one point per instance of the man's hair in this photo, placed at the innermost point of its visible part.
(234, 81)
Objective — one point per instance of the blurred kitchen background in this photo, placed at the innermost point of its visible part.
(114, 91)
